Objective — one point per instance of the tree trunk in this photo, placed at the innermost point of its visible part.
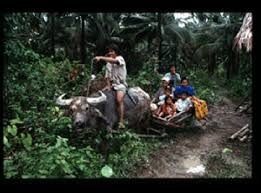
(149, 44)
(175, 54)
(235, 63)
(160, 40)
(229, 64)
(83, 55)
(52, 35)
(232, 64)
(211, 64)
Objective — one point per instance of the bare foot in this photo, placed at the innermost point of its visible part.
(106, 88)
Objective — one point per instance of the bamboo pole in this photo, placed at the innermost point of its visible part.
(238, 132)
(243, 138)
(244, 132)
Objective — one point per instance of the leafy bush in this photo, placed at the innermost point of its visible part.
(59, 160)
(239, 87)
(37, 134)
(147, 78)
(131, 150)
(206, 89)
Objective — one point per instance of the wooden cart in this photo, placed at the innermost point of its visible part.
(180, 121)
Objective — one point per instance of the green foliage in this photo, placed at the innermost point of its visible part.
(63, 160)
(52, 161)
(132, 150)
(147, 78)
(239, 86)
(220, 165)
(37, 138)
(14, 140)
(106, 171)
(205, 89)
(37, 133)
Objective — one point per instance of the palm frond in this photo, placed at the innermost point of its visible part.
(206, 50)
(181, 34)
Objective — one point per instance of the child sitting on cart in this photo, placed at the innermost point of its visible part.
(168, 109)
(184, 102)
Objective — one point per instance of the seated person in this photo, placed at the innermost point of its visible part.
(163, 91)
(184, 87)
(162, 97)
(174, 77)
(184, 103)
(168, 109)
(153, 108)
(201, 109)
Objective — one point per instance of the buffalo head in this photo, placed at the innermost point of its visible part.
(82, 109)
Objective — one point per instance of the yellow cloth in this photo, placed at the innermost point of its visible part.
(201, 109)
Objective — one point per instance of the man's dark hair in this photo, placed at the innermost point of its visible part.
(185, 92)
(113, 47)
(184, 78)
(171, 66)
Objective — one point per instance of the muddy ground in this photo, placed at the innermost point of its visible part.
(203, 149)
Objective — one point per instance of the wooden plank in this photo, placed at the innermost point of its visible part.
(238, 132)
(242, 102)
(243, 138)
(177, 116)
(150, 136)
(243, 132)
(155, 130)
(183, 118)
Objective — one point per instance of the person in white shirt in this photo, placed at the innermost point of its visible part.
(184, 103)
(174, 77)
(116, 73)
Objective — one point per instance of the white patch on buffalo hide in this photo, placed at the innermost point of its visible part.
(74, 107)
(141, 92)
(78, 102)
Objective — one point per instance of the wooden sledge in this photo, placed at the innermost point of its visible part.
(181, 120)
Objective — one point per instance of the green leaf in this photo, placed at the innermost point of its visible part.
(16, 121)
(106, 171)
(26, 176)
(12, 130)
(56, 109)
(81, 167)
(27, 141)
(6, 141)
(227, 150)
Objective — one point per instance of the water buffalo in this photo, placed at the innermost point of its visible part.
(100, 110)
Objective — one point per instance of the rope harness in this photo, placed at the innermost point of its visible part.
(89, 82)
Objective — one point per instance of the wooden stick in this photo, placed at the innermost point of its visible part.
(150, 136)
(183, 118)
(237, 133)
(160, 118)
(155, 130)
(247, 108)
(242, 102)
(177, 115)
(243, 138)
(244, 132)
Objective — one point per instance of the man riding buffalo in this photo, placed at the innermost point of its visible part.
(116, 77)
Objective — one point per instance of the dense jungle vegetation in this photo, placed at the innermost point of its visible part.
(42, 49)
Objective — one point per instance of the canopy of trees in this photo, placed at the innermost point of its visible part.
(200, 40)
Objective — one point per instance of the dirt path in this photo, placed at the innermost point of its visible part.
(189, 149)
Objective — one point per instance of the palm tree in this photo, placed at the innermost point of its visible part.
(244, 36)
(83, 54)
(160, 39)
(52, 34)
